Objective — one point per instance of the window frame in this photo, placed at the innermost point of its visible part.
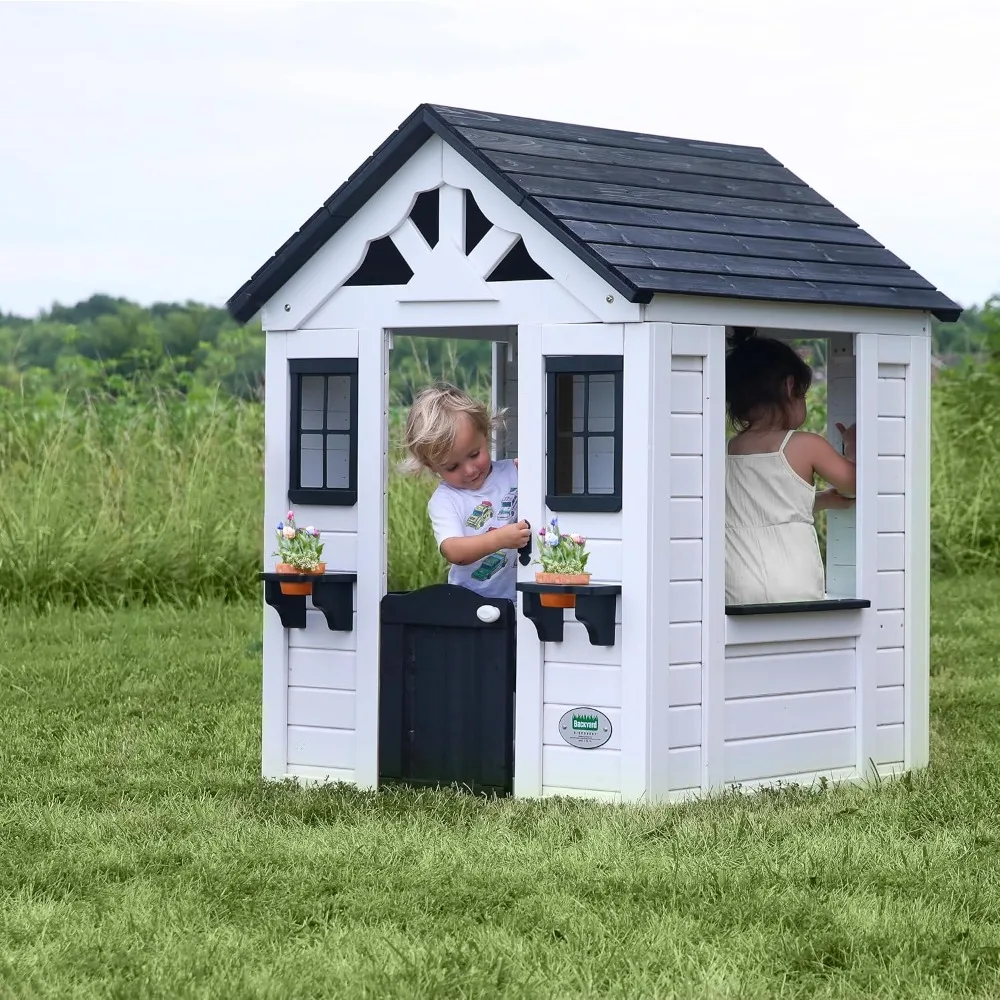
(584, 364)
(321, 496)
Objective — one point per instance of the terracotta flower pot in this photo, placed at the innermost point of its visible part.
(566, 580)
(295, 587)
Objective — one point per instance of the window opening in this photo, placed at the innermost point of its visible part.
(323, 463)
(584, 417)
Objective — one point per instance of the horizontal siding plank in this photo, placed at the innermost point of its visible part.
(890, 514)
(570, 767)
(794, 646)
(891, 436)
(784, 715)
(681, 201)
(891, 550)
(686, 434)
(684, 768)
(684, 643)
(571, 684)
(686, 362)
(685, 517)
(790, 627)
(684, 601)
(784, 290)
(308, 706)
(778, 756)
(789, 673)
(552, 713)
(324, 748)
(684, 726)
(340, 551)
(576, 646)
(890, 475)
(318, 635)
(890, 667)
(722, 243)
(890, 592)
(657, 218)
(891, 397)
(655, 159)
(686, 476)
(686, 392)
(758, 267)
(325, 775)
(322, 668)
(890, 745)
(684, 685)
(685, 560)
(890, 629)
(620, 175)
(889, 706)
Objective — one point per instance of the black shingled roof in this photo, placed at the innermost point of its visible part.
(647, 213)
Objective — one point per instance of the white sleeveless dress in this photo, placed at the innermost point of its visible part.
(772, 552)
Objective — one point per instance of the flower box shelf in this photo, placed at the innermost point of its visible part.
(595, 610)
(332, 593)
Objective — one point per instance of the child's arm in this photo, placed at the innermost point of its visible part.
(813, 450)
(464, 550)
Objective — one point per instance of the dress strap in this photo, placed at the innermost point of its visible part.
(784, 441)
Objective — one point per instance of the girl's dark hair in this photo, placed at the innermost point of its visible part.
(757, 371)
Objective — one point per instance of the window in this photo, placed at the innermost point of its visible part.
(323, 463)
(584, 424)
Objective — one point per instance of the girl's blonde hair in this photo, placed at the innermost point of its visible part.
(433, 422)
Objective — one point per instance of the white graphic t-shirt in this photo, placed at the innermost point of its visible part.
(458, 513)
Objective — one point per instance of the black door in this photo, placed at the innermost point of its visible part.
(446, 701)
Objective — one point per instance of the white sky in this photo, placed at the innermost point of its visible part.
(163, 151)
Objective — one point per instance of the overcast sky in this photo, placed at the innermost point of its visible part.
(163, 151)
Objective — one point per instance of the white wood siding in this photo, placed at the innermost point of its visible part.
(889, 598)
(574, 672)
(696, 442)
(310, 691)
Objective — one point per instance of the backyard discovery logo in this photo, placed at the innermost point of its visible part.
(585, 728)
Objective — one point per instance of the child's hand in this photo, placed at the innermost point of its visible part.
(516, 535)
(849, 434)
(830, 499)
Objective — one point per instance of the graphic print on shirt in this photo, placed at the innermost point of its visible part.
(508, 506)
(490, 566)
(481, 513)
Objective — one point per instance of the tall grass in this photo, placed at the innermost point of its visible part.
(121, 502)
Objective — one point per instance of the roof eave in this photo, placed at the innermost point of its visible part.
(295, 252)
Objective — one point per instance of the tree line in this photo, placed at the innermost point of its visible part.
(113, 346)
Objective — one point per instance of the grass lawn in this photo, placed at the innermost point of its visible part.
(141, 857)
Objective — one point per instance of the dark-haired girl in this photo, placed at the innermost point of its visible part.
(772, 553)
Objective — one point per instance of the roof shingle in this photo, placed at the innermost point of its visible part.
(648, 213)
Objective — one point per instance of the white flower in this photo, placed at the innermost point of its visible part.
(288, 531)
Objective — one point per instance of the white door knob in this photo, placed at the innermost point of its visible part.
(488, 613)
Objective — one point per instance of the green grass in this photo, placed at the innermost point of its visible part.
(140, 856)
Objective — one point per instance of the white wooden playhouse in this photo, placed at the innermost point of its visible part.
(606, 267)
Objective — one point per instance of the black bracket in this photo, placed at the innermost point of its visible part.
(524, 553)
(595, 610)
(333, 594)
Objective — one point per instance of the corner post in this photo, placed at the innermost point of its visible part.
(866, 580)
(373, 446)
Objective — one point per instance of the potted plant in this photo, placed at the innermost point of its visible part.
(299, 550)
(564, 562)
